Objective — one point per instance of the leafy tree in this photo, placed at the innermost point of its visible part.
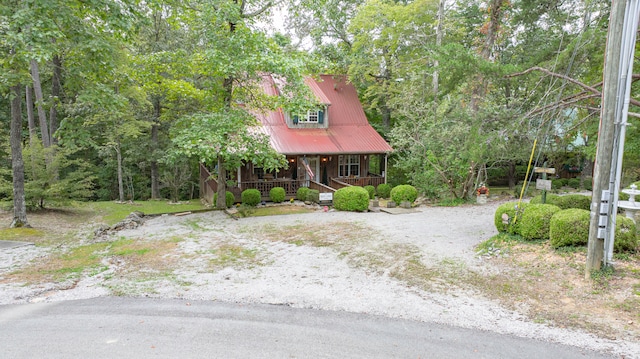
(227, 138)
(234, 57)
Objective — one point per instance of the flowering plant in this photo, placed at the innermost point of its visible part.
(482, 190)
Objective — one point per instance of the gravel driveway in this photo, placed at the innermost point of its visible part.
(319, 277)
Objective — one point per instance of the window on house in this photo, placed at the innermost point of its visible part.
(316, 116)
(348, 165)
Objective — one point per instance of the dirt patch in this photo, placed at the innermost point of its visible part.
(550, 287)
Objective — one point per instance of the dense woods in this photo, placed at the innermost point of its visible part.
(120, 100)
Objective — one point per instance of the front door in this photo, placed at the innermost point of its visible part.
(314, 165)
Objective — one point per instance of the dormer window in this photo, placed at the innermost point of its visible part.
(315, 116)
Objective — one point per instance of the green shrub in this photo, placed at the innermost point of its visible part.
(573, 201)
(573, 183)
(508, 208)
(371, 190)
(313, 196)
(569, 227)
(557, 183)
(404, 192)
(625, 238)
(588, 183)
(250, 197)
(384, 190)
(352, 198)
(229, 199)
(277, 194)
(535, 220)
(301, 194)
(551, 199)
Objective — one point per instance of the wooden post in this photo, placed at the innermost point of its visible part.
(544, 184)
(604, 152)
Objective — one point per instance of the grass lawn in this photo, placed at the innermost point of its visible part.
(112, 212)
(271, 211)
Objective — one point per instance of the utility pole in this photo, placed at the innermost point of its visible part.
(606, 137)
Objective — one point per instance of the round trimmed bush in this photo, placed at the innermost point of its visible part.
(573, 201)
(352, 198)
(251, 197)
(557, 183)
(371, 190)
(573, 183)
(569, 227)
(535, 220)
(383, 190)
(625, 238)
(510, 209)
(313, 196)
(404, 192)
(301, 194)
(229, 199)
(277, 194)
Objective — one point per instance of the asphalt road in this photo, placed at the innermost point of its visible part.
(149, 328)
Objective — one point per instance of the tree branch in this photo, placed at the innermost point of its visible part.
(550, 73)
(258, 11)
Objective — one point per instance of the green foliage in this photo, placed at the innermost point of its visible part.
(626, 238)
(277, 194)
(371, 190)
(404, 193)
(227, 134)
(251, 197)
(313, 196)
(513, 217)
(574, 183)
(384, 190)
(62, 179)
(573, 201)
(569, 227)
(301, 194)
(551, 199)
(558, 183)
(352, 198)
(565, 202)
(535, 221)
(229, 199)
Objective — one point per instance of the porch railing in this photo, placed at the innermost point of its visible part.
(357, 181)
(208, 186)
(290, 186)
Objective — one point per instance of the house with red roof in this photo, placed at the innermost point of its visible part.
(327, 148)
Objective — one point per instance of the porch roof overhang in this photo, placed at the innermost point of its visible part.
(334, 140)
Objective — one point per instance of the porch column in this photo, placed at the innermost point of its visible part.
(239, 177)
(385, 168)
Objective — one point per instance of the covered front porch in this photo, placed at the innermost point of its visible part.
(325, 173)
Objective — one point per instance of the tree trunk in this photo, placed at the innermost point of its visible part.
(221, 202)
(56, 89)
(436, 64)
(42, 117)
(17, 164)
(120, 181)
(33, 136)
(155, 177)
(512, 175)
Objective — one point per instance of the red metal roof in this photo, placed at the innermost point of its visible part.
(348, 132)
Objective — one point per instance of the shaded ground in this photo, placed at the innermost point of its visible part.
(420, 266)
